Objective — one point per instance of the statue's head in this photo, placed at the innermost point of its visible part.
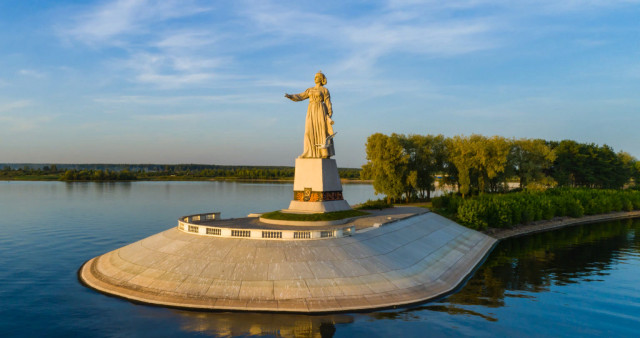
(320, 78)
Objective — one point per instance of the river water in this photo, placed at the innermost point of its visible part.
(582, 280)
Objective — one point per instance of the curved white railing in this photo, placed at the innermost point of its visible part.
(187, 224)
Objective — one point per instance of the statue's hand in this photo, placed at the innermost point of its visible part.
(287, 95)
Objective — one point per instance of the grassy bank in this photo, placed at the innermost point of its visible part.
(329, 216)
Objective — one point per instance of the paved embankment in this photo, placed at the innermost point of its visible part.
(405, 261)
(541, 226)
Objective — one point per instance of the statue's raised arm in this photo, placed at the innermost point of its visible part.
(298, 97)
(318, 131)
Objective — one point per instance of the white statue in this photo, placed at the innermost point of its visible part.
(318, 130)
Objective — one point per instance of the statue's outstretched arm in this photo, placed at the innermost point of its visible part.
(298, 97)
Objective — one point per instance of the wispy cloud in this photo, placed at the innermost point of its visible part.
(191, 39)
(10, 106)
(370, 43)
(535, 5)
(21, 123)
(169, 100)
(13, 119)
(32, 73)
(181, 100)
(115, 22)
(155, 54)
(365, 39)
(169, 117)
(167, 70)
(591, 42)
(429, 28)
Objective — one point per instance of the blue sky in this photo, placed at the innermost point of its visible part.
(134, 81)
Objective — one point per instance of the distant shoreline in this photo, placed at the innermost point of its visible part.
(181, 179)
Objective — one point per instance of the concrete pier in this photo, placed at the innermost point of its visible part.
(394, 257)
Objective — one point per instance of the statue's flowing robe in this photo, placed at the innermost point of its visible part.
(318, 124)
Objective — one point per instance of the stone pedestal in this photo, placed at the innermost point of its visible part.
(317, 187)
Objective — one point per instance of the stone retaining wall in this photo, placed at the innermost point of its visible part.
(522, 230)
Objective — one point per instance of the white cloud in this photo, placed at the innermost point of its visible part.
(369, 43)
(156, 54)
(10, 106)
(173, 81)
(21, 124)
(169, 117)
(186, 39)
(115, 22)
(430, 28)
(535, 5)
(168, 100)
(591, 42)
(31, 73)
(14, 118)
(363, 40)
(166, 70)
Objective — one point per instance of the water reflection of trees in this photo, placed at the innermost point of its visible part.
(231, 324)
(534, 263)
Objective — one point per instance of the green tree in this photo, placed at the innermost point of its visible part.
(492, 160)
(387, 165)
(590, 165)
(461, 155)
(478, 159)
(426, 157)
(569, 166)
(68, 175)
(529, 159)
(98, 175)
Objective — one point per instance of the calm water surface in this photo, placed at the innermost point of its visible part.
(578, 281)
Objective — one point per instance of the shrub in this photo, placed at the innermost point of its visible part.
(448, 203)
(635, 199)
(528, 214)
(616, 203)
(473, 214)
(548, 209)
(375, 204)
(501, 214)
(574, 208)
(440, 202)
(506, 210)
(628, 205)
(516, 212)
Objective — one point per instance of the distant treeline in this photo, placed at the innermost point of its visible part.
(407, 167)
(124, 172)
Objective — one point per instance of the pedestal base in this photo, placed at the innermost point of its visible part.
(317, 187)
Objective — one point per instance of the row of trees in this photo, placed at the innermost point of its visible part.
(408, 166)
(26, 170)
(97, 175)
